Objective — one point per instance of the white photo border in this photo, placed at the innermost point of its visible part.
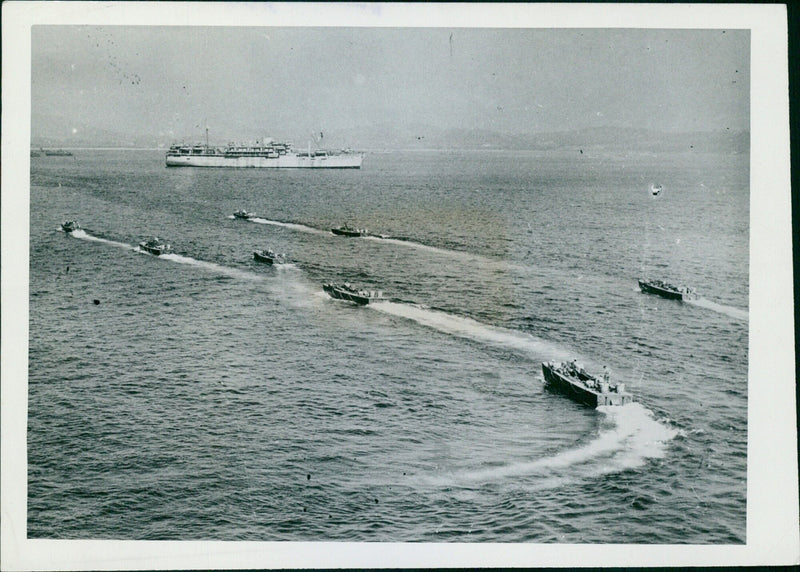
(772, 494)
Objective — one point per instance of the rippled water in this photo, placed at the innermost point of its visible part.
(209, 397)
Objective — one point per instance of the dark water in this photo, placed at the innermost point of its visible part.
(209, 397)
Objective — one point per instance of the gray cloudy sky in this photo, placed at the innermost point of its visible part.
(285, 81)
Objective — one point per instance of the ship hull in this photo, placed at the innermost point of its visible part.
(565, 385)
(347, 161)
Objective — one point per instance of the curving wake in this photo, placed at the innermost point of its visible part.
(628, 437)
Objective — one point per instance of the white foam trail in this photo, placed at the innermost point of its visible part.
(293, 226)
(466, 256)
(232, 272)
(82, 234)
(294, 292)
(632, 437)
(474, 330)
(419, 246)
(731, 311)
(407, 243)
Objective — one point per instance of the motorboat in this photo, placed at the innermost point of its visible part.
(667, 290)
(70, 225)
(347, 292)
(571, 380)
(268, 256)
(155, 246)
(346, 230)
(241, 213)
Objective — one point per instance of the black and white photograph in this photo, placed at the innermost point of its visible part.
(299, 285)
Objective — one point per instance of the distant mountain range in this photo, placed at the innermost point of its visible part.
(53, 132)
(607, 138)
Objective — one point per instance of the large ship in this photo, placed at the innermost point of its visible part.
(264, 154)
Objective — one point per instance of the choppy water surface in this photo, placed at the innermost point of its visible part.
(209, 397)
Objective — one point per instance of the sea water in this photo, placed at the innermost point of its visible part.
(200, 395)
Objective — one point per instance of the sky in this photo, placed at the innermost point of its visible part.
(171, 82)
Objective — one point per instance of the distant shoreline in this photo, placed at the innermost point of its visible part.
(610, 138)
(97, 148)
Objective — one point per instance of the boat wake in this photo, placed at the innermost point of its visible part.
(629, 436)
(425, 247)
(291, 225)
(471, 329)
(218, 268)
(82, 234)
(465, 256)
(731, 311)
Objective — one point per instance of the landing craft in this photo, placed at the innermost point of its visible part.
(572, 380)
(268, 256)
(667, 290)
(241, 213)
(70, 225)
(347, 230)
(347, 292)
(155, 246)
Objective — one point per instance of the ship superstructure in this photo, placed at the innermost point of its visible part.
(264, 154)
